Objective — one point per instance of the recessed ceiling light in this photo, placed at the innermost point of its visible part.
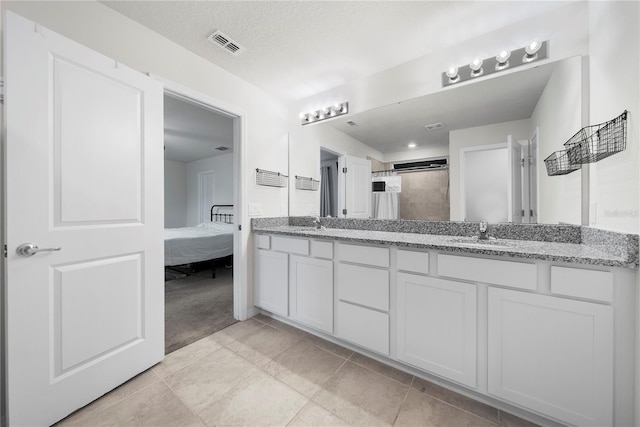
(412, 145)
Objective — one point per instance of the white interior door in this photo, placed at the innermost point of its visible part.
(515, 181)
(206, 195)
(358, 187)
(84, 156)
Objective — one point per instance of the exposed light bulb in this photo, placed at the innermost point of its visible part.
(452, 72)
(502, 60)
(533, 47)
(476, 67)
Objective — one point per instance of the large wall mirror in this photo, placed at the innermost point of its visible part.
(493, 134)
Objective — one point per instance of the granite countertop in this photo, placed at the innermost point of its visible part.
(543, 250)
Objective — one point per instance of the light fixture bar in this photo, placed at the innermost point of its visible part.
(492, 65)
(336, 110)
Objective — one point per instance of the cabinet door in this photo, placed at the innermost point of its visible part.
(436, 327)
(311, 298)
(552, 355)
(272, 287)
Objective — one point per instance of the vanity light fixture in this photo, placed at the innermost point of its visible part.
(476, 67)
(531, 51)
(534, 51)
(336, 110)
(502, 60)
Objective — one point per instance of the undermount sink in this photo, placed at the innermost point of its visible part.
(474, 242)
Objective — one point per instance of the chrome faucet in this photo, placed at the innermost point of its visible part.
(316, 223)
(483, 234)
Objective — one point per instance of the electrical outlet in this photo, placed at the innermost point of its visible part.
(255, 209)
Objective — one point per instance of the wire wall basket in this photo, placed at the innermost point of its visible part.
(305, 183)
(588, 145)
(271, 179)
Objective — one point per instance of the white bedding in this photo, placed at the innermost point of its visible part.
(209, 240)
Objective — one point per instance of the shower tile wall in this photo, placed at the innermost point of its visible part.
(425, 195)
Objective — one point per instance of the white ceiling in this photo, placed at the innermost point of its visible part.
(296, 49)
(192, 132)
(390, 128)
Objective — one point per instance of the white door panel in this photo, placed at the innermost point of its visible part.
(358, 187)
(84, 156)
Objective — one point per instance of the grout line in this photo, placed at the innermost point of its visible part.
(402, 404)
(183, 402)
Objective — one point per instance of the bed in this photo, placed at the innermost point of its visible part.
(208, 241)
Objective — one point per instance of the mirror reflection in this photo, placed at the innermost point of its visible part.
(473, 152)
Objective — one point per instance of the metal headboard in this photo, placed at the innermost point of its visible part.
(221, 217)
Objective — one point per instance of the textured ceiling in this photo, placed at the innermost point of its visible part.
(296, 49)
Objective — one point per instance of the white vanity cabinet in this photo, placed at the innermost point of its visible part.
(311, 292)
(552, 355)
(436, 326)
(272, 282)
(362, 307)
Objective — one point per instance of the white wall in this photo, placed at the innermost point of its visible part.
(222, 166)
(175, 194)
(481, 135)
(305, 161)
(559, 116)
(614, 66)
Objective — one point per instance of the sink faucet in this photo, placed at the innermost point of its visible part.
(483, 234)
(316, 223)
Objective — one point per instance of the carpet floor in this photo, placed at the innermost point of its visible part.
(197, 306)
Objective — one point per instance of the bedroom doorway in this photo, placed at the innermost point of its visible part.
(199, 220)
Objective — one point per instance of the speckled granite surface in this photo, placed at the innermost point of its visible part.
(564, 243)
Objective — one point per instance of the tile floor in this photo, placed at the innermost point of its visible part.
(262, 372)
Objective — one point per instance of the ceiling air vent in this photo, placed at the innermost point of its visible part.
(352, 123)
(222, 148)
(226, 43)
(434, 126)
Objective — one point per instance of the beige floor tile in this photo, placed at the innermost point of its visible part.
(153, 406)
(313, 415)
(241, 329)
(509, 420)
(288, 328)
(420, 409)
(257, 400)
(82, 416)
(262, 318)
(361, 396)
(455, 399)
(381, 368)
(178, 359)
(200, 384)
(261, 346)
(304, 367)
(329, 346)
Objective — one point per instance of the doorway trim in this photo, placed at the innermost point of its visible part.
(341, 184)
(240, 266)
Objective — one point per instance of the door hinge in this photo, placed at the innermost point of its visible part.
(522, 212)
(344, 211)
(344, 170)
(5, 251)
(239, 227)
(531, 213)
(521, 162)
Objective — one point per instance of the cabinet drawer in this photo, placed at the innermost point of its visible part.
(290, 245)
(506, 273)
(577, 282)
(417, 262)
(363, 285)
(368, 255)
(322, 249)
(364, 327)
(263, 241)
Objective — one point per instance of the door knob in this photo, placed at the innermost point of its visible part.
(29, 249)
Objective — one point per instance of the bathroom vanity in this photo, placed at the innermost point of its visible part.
(542, 328)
